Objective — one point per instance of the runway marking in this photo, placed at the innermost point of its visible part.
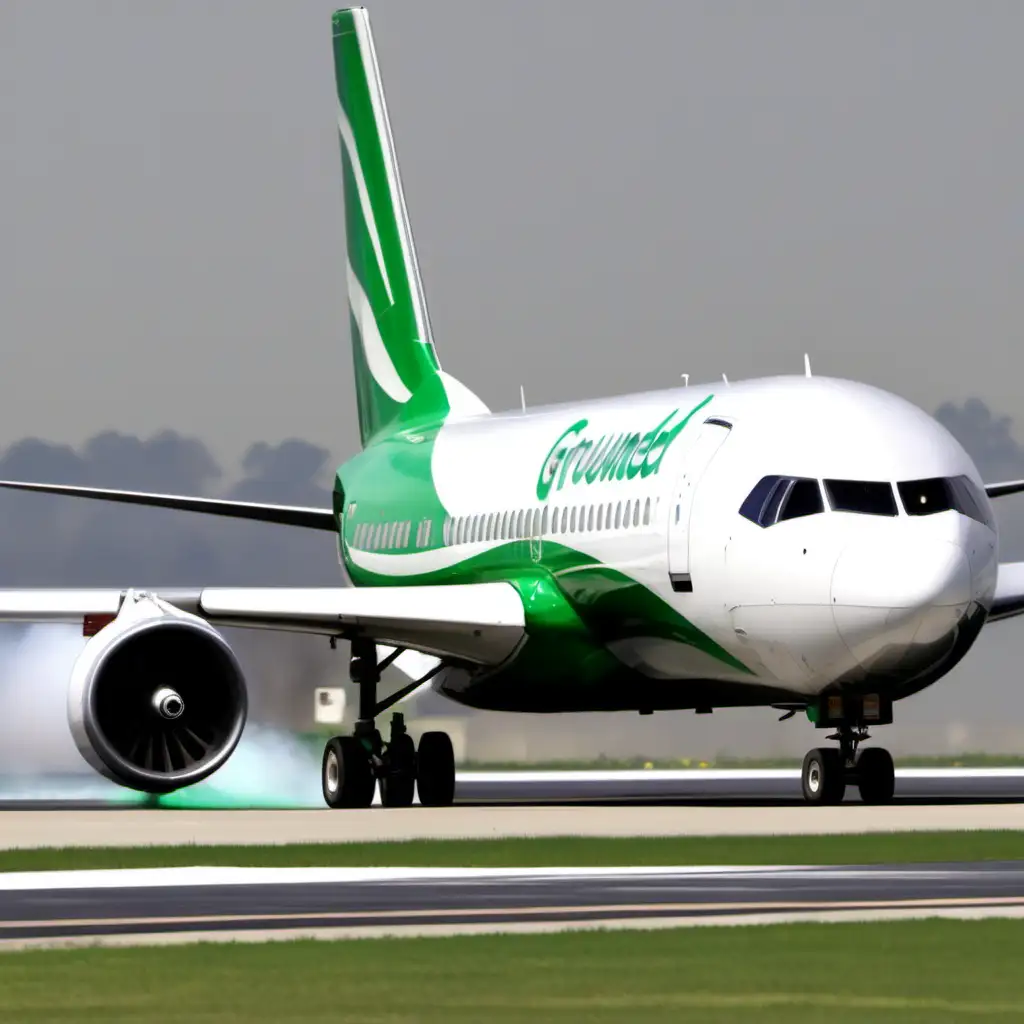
(428, 929)
(135, 878)
(201, 876)
(712, 775)
(633, 910)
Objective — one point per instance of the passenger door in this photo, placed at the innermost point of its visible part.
(695, 463)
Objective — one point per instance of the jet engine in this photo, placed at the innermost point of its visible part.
(157, 698)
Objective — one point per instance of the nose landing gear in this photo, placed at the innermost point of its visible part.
(827, 772)
(353, 765)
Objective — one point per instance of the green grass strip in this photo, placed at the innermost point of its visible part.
(907, 972)
(905, 847)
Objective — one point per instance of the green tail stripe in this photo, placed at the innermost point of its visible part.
(395, 349)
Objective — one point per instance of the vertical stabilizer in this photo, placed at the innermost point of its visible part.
(391, 343)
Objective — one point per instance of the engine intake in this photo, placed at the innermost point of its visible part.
(157, 698)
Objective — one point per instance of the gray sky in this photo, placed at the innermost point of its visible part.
(603, 195)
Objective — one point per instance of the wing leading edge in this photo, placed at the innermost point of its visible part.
(287, 515)
(481, 623)
(1000, 490)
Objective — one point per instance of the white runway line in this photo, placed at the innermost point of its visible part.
(714, 775)
(138, 878)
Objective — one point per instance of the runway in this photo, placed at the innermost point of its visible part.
(726, 785)
(181, 904)
(496, 805)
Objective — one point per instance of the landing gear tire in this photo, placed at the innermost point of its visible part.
(876, 776)
(346, 773)
(398, 782)
(435, 770)
(823, 776)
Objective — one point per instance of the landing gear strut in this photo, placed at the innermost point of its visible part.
(827, 771)
(353, 765)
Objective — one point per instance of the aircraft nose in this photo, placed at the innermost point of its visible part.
(912, 575)
(900, 604)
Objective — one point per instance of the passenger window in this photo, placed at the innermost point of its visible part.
(572, 520)
(618, 515)
(647, 512)
(803, 499)
(600, 517)
(866, 497)
(544, 522)
(519, 525)
(565, 520)
(554, 520)
(636, 512)
(590, 518)
(626, 514)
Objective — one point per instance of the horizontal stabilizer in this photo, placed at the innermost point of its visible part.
(478, 623)
(288, 515)
(1004, 488)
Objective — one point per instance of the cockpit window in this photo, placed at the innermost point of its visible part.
(778, 498)
(868, 497)
(927, 497)
(943, 494)
(803, 499)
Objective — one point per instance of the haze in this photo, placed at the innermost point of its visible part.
(604, 196)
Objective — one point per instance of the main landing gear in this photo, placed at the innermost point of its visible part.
(827, 771)
(353, 765)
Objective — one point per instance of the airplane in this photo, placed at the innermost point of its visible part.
(801, 543)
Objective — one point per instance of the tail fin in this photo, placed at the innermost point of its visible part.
(391, 342)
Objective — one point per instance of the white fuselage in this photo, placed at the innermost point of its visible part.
(805, 602)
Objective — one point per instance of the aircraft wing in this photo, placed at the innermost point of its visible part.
(480, 623)
(288, 515)
(1009, 596)
(1006, 487)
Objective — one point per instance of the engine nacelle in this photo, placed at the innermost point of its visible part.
(157, 698)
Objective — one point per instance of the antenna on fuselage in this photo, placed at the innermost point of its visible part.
(724, 378)
(522, 397)
(686, 379)
(807, 365)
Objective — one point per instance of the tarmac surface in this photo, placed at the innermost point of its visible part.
(79, 828)
(183, 904)
(495, 805)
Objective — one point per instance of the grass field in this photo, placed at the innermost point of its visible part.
(921, 971)
(906, 847)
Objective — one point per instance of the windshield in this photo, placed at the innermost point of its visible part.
(868, 497)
